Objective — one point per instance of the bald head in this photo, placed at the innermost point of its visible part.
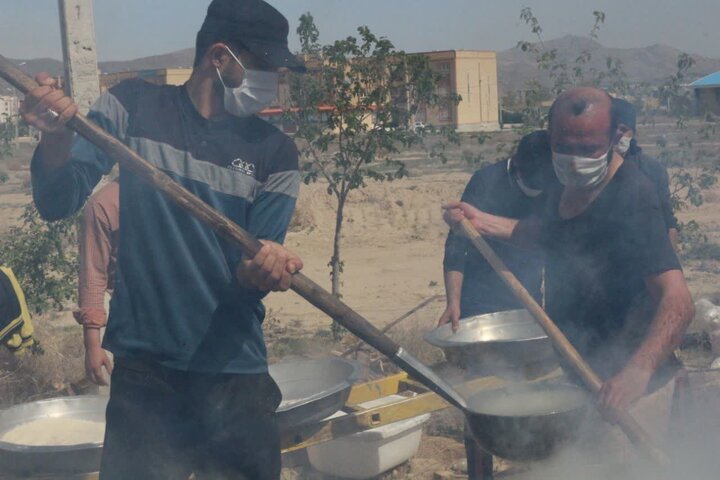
(581, 122)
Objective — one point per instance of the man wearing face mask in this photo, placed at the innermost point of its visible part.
(511, 188)
(613, 282)
(190, 388)
(628, 147)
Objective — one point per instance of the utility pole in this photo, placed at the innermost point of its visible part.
(77, 28)
(82, 82)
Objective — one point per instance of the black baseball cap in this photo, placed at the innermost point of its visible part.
(534, 145)
(258, 26)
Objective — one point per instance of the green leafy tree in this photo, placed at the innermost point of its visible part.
(7, 136)
(563, 73)
(309, 35)
(692, 170)
(44, 258)
(354, 110)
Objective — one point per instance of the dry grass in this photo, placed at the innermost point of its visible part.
(411, 339)
(303, 218)
(56, 363)
(291, 339)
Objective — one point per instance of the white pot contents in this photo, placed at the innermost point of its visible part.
(56, 432)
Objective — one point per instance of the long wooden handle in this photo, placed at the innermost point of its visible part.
(634, 431)
(395, 322)
(222, 225)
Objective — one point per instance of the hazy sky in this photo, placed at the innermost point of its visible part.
(129, 29)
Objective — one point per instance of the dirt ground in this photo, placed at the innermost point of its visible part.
(392, 251)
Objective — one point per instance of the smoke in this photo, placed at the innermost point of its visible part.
(691, 441)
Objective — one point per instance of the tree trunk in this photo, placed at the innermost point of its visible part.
(335, 262)
(337, 330)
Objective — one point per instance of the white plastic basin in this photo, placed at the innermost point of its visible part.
(368, 454)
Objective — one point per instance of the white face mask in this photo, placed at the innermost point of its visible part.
(623, 145)
(258, 90)
(524, 188)
(582, 172)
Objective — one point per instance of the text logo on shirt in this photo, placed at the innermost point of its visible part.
(240, 165)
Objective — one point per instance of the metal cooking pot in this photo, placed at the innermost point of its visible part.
(52, 459)
(546, 416)
(496, 343)
(312, 389)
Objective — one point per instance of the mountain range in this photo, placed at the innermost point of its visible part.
(515, 68)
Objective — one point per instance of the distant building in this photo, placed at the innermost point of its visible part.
(9, 107)
(473, 76)
(160, 76)
(707, 94)
(470, 74)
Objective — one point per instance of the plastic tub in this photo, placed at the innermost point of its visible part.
(368, 454)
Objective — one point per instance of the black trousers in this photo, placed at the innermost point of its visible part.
(165, 424)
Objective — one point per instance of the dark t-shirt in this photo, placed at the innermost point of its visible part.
(658, 175)
(596, 267)
(493, 190)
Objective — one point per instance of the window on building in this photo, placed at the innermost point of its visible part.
(468, 89)
(444, 113)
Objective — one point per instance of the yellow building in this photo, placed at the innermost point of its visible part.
(160, 76)
(473, 76)
(468, 73)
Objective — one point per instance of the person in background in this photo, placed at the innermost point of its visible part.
(190, 388)
(613, 282)
(655, 171)
(99, 232)
(512, 188)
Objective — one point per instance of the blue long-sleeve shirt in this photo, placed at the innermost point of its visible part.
(176, 300)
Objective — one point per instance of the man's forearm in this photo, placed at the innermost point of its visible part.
(494, 226)
(91, 338)
(523, 233)
(57, 191)
(54, 150)
(672, 317)
(453, 287)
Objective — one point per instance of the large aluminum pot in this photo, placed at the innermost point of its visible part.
(25, 460)
(312, 389)
(496, 343)
(527, 421)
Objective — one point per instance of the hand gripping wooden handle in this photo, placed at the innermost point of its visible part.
(223, 226)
